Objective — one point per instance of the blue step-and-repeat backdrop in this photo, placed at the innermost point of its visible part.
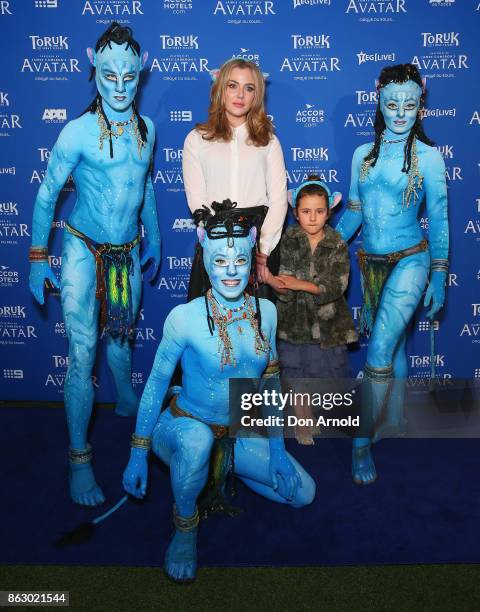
(322, 57)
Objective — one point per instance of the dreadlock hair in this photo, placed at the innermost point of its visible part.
(400, 73)
(228, 218)
(313, 189)
(119, 35)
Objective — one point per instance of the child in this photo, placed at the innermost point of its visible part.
(314, 321)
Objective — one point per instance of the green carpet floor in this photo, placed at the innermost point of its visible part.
(454, 588)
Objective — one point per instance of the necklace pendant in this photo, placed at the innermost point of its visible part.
(120, 130)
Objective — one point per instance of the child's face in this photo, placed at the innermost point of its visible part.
(312, 214)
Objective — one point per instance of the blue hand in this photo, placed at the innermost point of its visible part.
(151, 252)
(280, 465)
(40, 272)
(435, 293)
(135, 476)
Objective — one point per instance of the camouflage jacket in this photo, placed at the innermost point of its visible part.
(304, 318)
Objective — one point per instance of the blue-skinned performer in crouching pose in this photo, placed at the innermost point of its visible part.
(108, 150)
(224, 334)
(390, 179)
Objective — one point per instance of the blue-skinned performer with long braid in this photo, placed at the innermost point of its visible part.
(224, 334)
(390, 179)
(108, 150)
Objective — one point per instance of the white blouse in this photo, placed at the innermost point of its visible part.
(251, 176)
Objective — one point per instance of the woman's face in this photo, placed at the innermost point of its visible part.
(399, 103)
(239, 95)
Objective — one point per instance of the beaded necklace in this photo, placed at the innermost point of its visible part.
(106, 133)
(222, 321)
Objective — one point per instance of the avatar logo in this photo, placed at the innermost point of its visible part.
(55, 66)
(248, 9)
(116, 8)
(10, 122)
(471, 329)
(9, 231)
(367, 7)
(435, 62)
(473, 226)
(311, 65)
(5, 7)
(185, 41)
(475, 118)
(178, 66)
(54, 114)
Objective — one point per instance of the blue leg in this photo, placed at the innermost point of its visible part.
(184, 445)
(80, 312)
(119, 353)
(400, 298)
(252, 458)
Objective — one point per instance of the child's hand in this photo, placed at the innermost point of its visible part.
(274, 282)
(291, 282)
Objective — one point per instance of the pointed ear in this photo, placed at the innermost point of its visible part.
(214, 74)
(143, 60)
(253, 236)
(335, 199)
(265, 76)
(377, 85)
(201, 234)
(92, 56)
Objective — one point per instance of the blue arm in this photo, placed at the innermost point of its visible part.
(64, 157)
(351, 219)
(169, 352)
(437, 209)
(148, 215)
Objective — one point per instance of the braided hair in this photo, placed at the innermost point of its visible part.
(119, 35)
(228, 218)
(400, 73)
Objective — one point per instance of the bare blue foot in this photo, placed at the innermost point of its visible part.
(127, 405)
(363, 466)
(83, 486)
(181, 556)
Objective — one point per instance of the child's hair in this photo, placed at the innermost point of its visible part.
(217, 127)
(312, 189)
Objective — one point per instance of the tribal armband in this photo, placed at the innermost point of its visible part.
(37, 254)
(354, 205)
(143, 442)
(272, 370)
(439, 265)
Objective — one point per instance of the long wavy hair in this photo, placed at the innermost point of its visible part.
(217, 127)
(400, 73)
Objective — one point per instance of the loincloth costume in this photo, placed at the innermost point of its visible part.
(213, 498)
(113, 266)
(376, 270)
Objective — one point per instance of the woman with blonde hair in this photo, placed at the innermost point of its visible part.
(235, 155)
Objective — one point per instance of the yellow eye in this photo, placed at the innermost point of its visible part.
(241, 261)
(128, 77)
(219, 261)
(111, 77)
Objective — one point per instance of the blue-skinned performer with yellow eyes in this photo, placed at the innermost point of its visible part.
(224, 334)
(108, 150)
(390, 179)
